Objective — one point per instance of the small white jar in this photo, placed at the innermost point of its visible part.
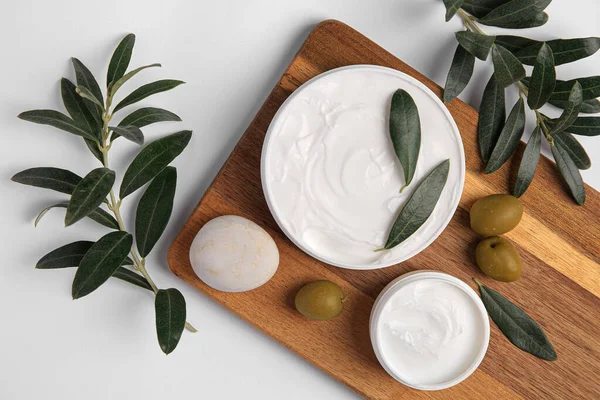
(429, 330)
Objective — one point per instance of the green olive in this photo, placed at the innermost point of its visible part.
(499, 259)
(321, 300)
(496, 214)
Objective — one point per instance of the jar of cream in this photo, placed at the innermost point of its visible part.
(429, 330)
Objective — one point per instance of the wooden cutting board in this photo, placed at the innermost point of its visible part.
(558, 241)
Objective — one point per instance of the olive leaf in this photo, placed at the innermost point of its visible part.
(460, 73)
(154, 210)
(86, 94)
(102, 259)
(77, 109)
(590, 87)
(539, 20)
(120, 59)
(94, 149)
(152, 160)
(85, 78)
(507, 68)
(575, 150)
(148, 115)
(452, 7)
(68, 256)
(89, 194)
(479, 8)
(560, 95)
(585, 126)
(147, 90)
(570, 112)
(170, 318)
(564, 50)
(98, 215)
(516, 325)
(134, 278)
(57, 120)
(116, 85)
(529, 162)
(475, 43)
(52, 178)
(405, 132)
(509, 138)
(129, 132)
(515, 43)
(492, 114)
(513, 12)
(543, 79)
(569, 171)
(419, 206)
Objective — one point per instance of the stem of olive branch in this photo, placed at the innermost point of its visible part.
(139, 263)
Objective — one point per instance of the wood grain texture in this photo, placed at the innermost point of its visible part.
(558, 241)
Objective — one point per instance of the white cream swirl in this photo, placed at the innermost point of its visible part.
(330, 174)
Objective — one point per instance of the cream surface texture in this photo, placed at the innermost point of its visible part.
(330, 174)
(431, 332)
(233, 254)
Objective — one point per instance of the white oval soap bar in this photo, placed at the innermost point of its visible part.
(233, 254)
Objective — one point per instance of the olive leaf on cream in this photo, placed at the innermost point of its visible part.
(405, 132)
(499, 136)
(93, 196)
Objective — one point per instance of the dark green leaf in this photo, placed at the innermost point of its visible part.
(148, 115)
(451, 7)
(591, 89)
(147, 90)
(68, 256)
(509, 139)
(590, 86)
(154, 210)
(591, 106)
(529, 162)
(575, 150)
(514, 12)
(585, 126)
(57, 179)
(479, 8)
(515, 43)
(475, 43)
(152, 160)
(100, 262)
(569, 171)
(120, 59)
(405, 132)
(57, 120)
(116, 85)
(543, 79)
(87, 95)
(570, 112)
(77, 109)
(420, 205)
(129, 132)
(85, 78)
(170, 318)
(507, 68)
(93, 146)
(89, 194)
(460, 73)
(132, 277)
(539, 20)
(516, 325)
(492, 114)
(98, 215)
(565, 50)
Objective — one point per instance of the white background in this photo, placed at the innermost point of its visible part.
(230, 53)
